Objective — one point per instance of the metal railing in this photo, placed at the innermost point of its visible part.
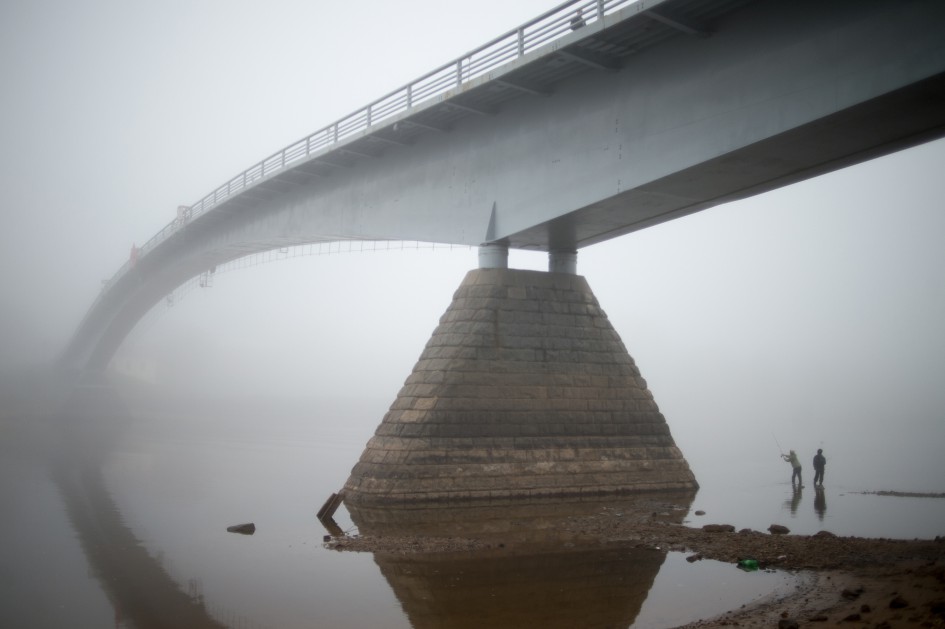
(527, 38)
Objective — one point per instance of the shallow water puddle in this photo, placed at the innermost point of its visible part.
(684, 592)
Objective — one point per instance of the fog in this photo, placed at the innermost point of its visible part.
(810, 315)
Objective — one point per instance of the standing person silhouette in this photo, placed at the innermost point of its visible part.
(795, 465)
(578, 20)
(820, 462)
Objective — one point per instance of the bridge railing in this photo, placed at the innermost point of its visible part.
(537, 33)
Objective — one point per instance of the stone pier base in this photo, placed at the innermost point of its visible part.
(524, 390)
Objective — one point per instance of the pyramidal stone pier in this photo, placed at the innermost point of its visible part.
(524, 390)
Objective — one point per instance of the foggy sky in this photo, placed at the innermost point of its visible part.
(813, 312)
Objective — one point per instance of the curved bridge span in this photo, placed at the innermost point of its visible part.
(595, 119)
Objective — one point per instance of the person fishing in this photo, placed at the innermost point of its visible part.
(791, 458)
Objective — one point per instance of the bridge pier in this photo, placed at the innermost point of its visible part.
(562, 261)
(493, 255)
(523, 390)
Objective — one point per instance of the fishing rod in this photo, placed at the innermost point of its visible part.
(780, 449)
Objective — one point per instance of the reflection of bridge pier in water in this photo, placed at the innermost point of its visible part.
(566, 588)
(539, 569)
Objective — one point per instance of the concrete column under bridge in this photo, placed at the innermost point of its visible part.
(524, 390)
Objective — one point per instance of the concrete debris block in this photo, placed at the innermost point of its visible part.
(244, 529)
(331, 505)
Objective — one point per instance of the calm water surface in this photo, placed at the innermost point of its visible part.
(167, 484)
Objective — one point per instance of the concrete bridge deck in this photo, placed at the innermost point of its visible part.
(558, 135)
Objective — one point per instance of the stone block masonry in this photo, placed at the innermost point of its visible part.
(523, 390)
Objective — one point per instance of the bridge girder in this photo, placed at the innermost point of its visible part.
(627, 122)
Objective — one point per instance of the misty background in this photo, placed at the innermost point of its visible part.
(811, 316)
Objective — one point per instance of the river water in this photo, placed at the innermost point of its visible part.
(130, 532)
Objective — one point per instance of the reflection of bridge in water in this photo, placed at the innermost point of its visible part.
(137, 585)
(557, 135)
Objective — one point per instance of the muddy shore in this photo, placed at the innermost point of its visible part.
(851, 581)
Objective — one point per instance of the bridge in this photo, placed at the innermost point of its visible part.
(593, 120)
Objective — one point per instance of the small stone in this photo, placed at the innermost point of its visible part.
(851, 595)
(244, 529)
(787, 623)
(718, 528)
(852, 618)
(777, 529)
(824, 534)
(898, 603)
(700, 512)
(865, 609)
(693, 558)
